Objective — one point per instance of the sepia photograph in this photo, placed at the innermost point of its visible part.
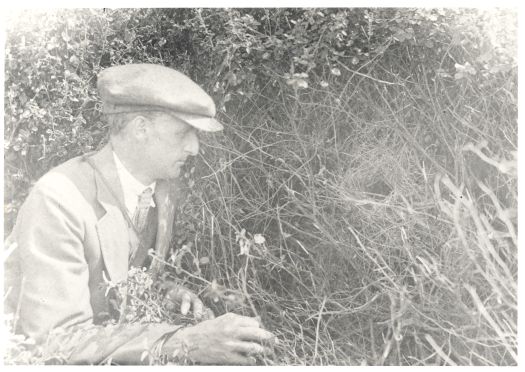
(268, 186)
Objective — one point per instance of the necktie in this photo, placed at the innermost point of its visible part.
(145, 226)
(140, 216)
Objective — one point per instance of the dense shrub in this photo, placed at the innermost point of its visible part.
(362, 199)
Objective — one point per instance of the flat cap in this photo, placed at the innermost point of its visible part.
(149, 87)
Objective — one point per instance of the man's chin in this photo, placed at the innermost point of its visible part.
(175, 173)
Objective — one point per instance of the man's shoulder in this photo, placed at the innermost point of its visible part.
(76, 169)
(73, 177)
(57, 196)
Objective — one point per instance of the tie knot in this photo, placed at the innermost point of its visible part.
(145, 198)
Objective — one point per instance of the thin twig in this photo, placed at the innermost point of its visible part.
(439, 351)
(319, 317)
(367, 76)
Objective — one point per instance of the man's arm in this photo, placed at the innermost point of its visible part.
(54, 290)
(124, 344)
(55, 296)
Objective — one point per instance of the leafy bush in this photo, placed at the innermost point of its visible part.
(362, 199)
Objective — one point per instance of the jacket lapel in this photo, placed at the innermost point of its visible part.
(113, 230)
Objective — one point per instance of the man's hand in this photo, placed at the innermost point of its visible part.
(180, 296)
(228, 339)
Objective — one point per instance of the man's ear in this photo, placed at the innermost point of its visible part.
(139, 126)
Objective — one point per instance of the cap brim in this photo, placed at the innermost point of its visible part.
(203, 123)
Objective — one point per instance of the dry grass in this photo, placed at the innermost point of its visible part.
(389, 213)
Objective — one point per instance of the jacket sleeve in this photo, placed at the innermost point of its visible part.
(123, 344)
(54, 291)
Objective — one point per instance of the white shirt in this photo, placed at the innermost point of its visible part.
(131, 187)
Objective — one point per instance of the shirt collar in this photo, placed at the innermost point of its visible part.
(131, 186)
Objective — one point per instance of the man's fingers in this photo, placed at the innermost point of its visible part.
(256, 334)
(241, 360)
(198, 308)
(187, 300)
(208, 314)
(250, 348)
(185, 303)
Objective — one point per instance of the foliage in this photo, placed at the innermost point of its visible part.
(362, 199)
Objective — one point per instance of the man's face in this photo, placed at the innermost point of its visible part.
(170, 142)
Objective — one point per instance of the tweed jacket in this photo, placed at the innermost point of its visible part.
(69, 240)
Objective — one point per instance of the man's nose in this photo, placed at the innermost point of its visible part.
(192, 144)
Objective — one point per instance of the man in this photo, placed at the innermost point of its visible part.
(86, 221)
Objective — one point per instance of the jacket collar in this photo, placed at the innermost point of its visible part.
(109, 192)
